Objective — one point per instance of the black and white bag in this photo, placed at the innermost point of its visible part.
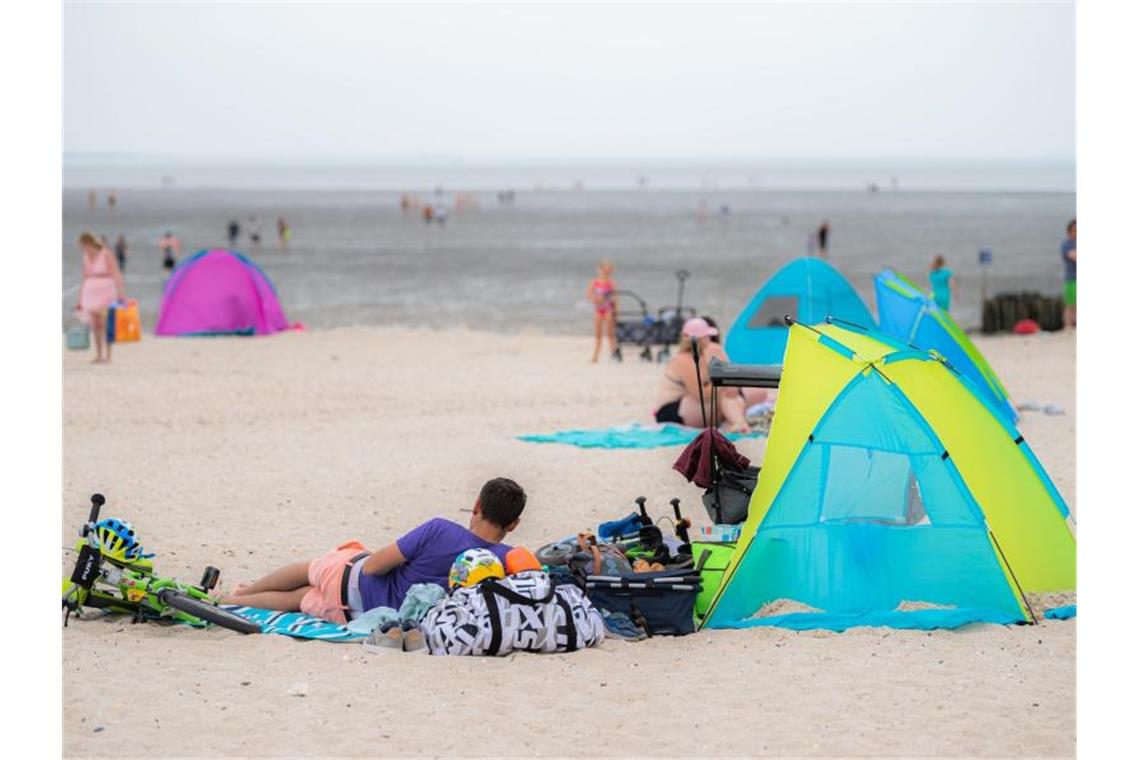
(523, 612)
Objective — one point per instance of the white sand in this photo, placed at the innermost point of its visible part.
(250, 453)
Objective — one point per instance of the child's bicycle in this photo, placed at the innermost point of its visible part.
(112, 574)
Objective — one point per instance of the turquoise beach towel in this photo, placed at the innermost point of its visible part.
(296, 624)
(634, 436)
(1062, 613)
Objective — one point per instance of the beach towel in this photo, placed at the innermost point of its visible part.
(634, 436)
(296, 624)
(1062, 613)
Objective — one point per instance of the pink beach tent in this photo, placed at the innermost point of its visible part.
(219, 292)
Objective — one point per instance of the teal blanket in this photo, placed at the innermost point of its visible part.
(635, 436)
(296, 624)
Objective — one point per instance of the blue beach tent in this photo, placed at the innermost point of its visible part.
(806, 289)
(911, 316)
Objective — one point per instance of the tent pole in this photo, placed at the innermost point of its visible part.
(1012, 575)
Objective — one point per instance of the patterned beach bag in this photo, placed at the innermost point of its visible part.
(524, 612)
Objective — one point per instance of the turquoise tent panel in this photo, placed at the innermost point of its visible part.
(909, 317)
(872, 515)
(808, 289)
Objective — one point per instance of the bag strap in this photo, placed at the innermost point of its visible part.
(571, 628)
(496, 623)
(494, 587)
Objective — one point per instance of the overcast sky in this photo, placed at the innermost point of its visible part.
(561, 82)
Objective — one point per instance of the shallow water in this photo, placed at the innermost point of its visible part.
(356, 258)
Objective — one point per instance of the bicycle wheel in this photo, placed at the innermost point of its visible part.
(206, 611)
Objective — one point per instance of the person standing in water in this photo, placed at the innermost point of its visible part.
(284, 232)
(171, 249)
(821, 236)
(254, 226)
(101, 286)
(233, 232)
(601, 294)
(112, 199)
(941, 283)
(1069, 260)
(121, 252)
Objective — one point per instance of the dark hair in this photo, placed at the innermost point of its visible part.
(712, 324)
(1069, 227)
(502, 500)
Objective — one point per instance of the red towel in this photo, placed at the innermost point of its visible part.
(696, 461)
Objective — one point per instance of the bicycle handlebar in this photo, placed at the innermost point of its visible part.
(97, 502)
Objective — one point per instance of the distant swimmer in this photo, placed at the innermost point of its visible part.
(428, 213)
(171, 249)
(440, 213)
(92, 200)
(233, 232)
(284, 231)
(941, 282)
(254, 225)
(121, 252)
(112, 199)
(821, 236)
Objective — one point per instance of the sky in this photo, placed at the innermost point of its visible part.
(582, 82)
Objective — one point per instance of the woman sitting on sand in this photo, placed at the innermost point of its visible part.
(678, 398)
(102, 285)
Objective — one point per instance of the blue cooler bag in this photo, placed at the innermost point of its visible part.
(663, 601)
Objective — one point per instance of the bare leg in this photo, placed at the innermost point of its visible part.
(611, 329)
(286, 601)
(99, 327)
(288, 578)
(731, 409)
(597, 335)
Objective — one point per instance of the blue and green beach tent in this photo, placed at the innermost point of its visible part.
(911, 316)
(807, 289)
(891, 494)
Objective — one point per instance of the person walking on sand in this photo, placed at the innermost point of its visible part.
(1069, 260)
(941, 283)
(171, 249)
(601, 293)
(101, 286)
(121, 252)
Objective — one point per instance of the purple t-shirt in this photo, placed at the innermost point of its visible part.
(429, 551)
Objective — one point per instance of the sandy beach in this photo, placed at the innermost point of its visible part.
(249, 453)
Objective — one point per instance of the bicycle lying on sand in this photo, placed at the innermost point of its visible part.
(113, 574)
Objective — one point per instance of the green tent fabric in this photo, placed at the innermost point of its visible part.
(889, 488)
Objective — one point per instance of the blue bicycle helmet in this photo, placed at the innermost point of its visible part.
(117, 539)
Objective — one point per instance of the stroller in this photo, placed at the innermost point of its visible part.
(662, 331)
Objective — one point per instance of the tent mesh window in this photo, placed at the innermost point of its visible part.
(771, 313)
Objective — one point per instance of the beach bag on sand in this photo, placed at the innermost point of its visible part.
(78, 338)
(123, 323)
(524, 612)
(661, 602)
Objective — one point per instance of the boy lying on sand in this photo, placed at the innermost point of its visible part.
(349, 580)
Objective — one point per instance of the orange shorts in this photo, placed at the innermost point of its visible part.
(326, 576)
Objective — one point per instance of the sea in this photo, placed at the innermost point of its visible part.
(519, 243)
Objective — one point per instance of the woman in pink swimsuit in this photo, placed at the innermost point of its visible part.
(102, 285)
(601, 293)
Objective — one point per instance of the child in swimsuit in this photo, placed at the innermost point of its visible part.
(601, 293)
